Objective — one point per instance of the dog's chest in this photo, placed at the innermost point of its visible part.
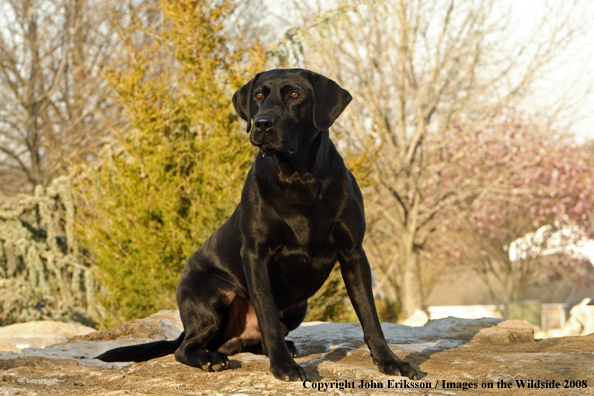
(308, 231)
(296, 274)
(304, 255)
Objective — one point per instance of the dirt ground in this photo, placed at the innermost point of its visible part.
(456, 357)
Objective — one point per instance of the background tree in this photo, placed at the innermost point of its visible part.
(55, 107)
(164, 187)
(417, 69)
(544, 211)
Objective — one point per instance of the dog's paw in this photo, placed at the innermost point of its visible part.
(288, 371)
(398, 367)
(213, 361)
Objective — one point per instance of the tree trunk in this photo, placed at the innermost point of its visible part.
(411, 296)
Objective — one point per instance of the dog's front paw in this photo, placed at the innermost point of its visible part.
(398, 367)
(288, 371)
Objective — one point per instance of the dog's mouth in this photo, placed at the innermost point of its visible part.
(269, 151)
(271, 145)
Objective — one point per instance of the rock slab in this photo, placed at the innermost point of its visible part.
(39, 334)
(455, 357)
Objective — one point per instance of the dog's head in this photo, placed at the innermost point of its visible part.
(289, 107)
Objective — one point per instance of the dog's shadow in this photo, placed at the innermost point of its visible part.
(333, 353)
(338, 352)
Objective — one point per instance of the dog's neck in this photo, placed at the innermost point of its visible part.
(305, 175)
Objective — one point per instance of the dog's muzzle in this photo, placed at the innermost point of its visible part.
(263, 137)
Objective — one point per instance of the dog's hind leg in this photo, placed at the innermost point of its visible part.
(202, 309)
(194, 354)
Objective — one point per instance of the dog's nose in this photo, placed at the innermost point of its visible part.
(264, 122)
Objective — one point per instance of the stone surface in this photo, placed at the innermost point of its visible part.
(452, 354)
(506, 333)
(38, 334)
(159, 326)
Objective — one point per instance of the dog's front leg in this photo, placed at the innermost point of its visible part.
(282, 364)
(357, 278)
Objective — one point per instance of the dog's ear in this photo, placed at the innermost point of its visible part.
(330, 100)
(242, 101)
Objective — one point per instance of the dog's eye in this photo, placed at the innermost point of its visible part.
(294, 94)
(259, 95)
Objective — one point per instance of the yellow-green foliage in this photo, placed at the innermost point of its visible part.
(330, 303)
(164, 187)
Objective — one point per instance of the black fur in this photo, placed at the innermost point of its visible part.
(301, 211)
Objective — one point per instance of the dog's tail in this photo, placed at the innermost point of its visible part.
(142, 352)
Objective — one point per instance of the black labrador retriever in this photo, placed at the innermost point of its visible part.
(301, 210)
